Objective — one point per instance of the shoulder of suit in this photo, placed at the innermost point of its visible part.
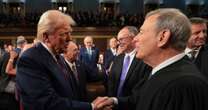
(206, 47)
(120, 56)
(95, 48)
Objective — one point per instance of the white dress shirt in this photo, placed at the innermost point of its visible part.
(167, 62)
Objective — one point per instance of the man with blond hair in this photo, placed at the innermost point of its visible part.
(43, 82)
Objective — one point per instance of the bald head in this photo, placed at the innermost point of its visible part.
(88, 42)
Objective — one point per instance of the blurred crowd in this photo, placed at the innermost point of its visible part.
(82, 19)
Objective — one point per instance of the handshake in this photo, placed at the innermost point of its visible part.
(104, 103)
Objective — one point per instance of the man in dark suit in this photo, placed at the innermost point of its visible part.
(89, 54)
(80, 71)
(196, 44)
(110, 53)
(175, 83)
(42, 80)
(123, 78)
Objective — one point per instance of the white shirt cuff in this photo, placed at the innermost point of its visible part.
(92, 106)
(115, 100)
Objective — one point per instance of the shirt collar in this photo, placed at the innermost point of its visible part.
(167, 62)
(49, 50)
(131, 54)
(69, 63)
(113, 51)
(187, 50)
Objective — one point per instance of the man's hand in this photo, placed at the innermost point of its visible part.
(103, 103)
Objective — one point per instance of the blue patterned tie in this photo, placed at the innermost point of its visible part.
(123, 74)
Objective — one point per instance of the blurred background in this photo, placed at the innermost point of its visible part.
(100, 19)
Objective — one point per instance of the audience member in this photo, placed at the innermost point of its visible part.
(80, 72)
(196, 48)
(110, 53)
(7, 82)
(89, 54)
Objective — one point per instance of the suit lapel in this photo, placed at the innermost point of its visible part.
(119, 71)
(131, 68)
(53, 66)
(78, 70)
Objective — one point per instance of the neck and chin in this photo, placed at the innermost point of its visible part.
(154, 60)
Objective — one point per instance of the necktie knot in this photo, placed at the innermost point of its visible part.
(193, 54)
(58, 60)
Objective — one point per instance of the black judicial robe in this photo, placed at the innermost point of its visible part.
(178, 86)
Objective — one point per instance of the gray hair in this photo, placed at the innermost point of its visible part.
(21, 40)
(178, 24)
(197, 20)
(133, 31)
(50, 21)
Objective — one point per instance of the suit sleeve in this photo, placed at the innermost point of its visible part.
(129, 102)
(112, 81)
(36, 91)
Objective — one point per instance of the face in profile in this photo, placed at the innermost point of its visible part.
(59, 39)
(146, 39)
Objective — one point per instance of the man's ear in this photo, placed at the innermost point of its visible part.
(45, 37)
(163, 37)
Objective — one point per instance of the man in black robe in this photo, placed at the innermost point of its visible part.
(175, 83)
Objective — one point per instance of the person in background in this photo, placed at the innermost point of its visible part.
(21, 42)
(196, 48)
(80, 72)
(127, 72)
(7, 82)
(89, 54)
(110, 53)
(11, 65)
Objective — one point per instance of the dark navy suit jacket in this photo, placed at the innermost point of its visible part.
(85, 75)
(84, 57)
(41, 83)
(108, 58)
